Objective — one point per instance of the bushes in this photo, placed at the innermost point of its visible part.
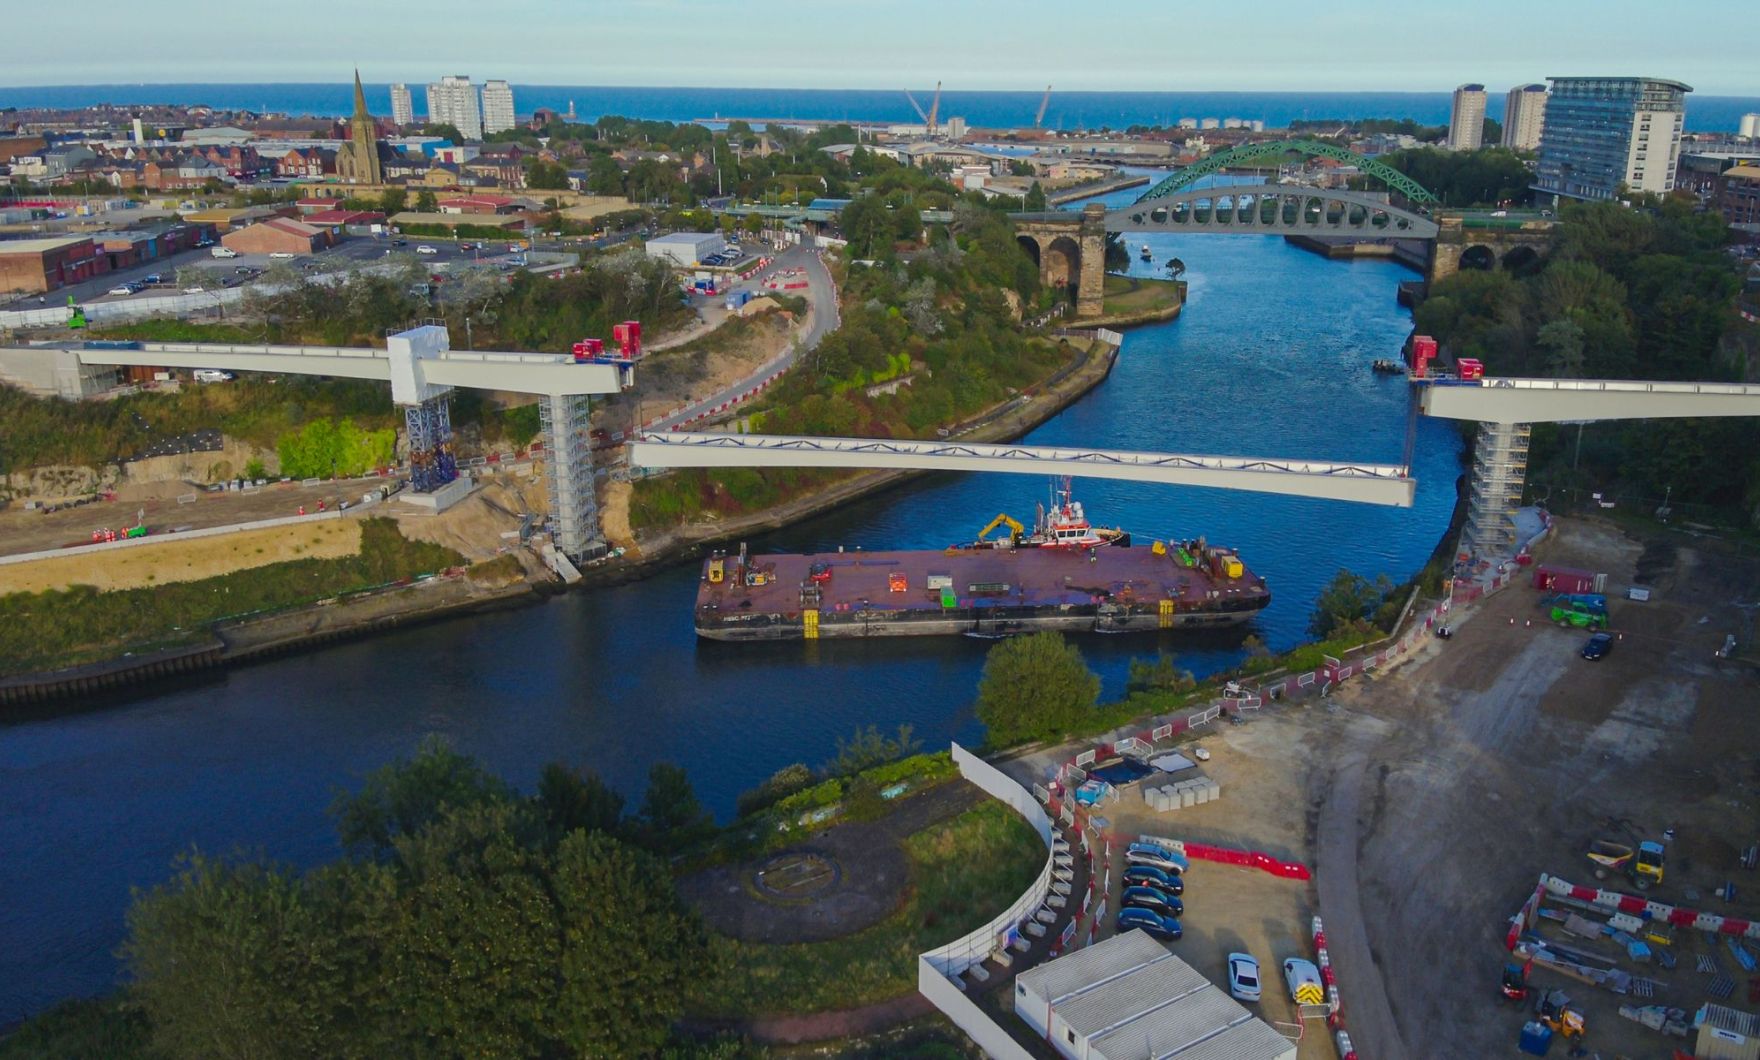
(324, 448)
(1035, 687)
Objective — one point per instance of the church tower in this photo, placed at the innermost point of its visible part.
(358, 161)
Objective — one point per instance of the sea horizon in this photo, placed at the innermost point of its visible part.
(1067, 111)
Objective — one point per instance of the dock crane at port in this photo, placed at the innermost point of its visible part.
(929, 115)
(1044, 101)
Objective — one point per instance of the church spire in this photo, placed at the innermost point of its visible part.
(360, 97)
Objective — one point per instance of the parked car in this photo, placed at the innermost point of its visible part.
(1598, 646)
(123, 289)
(1243, 977)
(1150, 876)
(1162, 927)
(1143, 896)
(1158, 856)
(466, 246)
(1303, 980)
(400, 242)
(152, 279)
(426, 249)
(281, 254)
(223, 252)
(213, 375)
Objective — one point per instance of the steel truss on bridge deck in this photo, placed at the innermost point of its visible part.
(1368, 483)
(1236, 156)
(1272, 209)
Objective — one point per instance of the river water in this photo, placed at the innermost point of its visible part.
(1271, 358)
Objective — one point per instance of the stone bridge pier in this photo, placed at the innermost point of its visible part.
(1512, 244)
(1071, 253)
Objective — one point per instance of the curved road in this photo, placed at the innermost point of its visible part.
(822, 319)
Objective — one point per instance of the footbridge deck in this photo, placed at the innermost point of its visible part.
(1561, 400)
(1384, 484)
(525, 373)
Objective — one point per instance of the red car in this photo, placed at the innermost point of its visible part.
(819, 572)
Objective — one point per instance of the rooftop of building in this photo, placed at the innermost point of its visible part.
(1682, 85)
(41, 245)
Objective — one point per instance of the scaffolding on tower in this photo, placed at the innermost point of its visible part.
(432, 463)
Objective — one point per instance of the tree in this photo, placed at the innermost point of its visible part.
(405, 796)
(444, 130)
(546, 175)
(1176, 268)
(670, 811)
(1561, 341)
(573, 801)
(1034, 687)
(865, 224)
(426, 202)
(393, 201)
(868, 748)
(1118, 256)
(1035, 199)
(604, 177)
(1347, 602)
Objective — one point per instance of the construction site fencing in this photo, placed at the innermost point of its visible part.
(976, 947)
(1648, 909)
(938, 968)
(181, 535)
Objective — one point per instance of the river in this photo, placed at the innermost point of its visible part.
(1271, 358)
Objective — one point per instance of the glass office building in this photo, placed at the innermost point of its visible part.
(1604, 132)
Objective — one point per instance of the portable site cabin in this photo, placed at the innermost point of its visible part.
(1726, 1034)
(1128, 998)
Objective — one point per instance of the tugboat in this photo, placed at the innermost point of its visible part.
(1387, 367)
(1144, 253)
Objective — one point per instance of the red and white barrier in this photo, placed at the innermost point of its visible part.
(1652, 910)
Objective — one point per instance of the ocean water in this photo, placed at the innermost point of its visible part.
(1068, 110)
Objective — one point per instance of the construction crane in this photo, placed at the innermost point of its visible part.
(934, 109)
(1045, 101)
(918, 107)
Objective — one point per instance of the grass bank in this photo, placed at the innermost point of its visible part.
(962, 873)
(54, 629)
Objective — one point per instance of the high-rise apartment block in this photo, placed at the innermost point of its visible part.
(403, 112)
(1466, 121)
(1602, 132)
(1750, 127)
(1524, 115)
(497, 107)
(453, 101)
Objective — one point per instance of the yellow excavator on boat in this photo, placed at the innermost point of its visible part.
(1015, 530)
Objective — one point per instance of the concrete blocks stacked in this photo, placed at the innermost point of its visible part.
(1183, 795)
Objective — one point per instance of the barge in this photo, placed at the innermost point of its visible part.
(1066, 575)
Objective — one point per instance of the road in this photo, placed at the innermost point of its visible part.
(822, 319)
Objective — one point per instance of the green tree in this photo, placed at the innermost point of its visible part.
(604, 176)
(867, 748)
(1034, 687)
(1118, 256)
(865, 224)
(1035, 199)
(444, 130)
(573, 801)
(1561, 342)
(403, 797)
(426, 202)
(1348, 601)
(546, 175)
(614, 917)
(670, 810)
(393, 201)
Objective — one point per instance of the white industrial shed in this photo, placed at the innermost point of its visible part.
(1128, 998)
(686, 249)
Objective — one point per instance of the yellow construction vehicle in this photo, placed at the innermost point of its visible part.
(717, 567)
(1556, 1012)
(1015, 529)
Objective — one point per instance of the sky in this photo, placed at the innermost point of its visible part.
(1268, 45)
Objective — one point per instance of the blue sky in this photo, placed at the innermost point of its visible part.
(1417, 45)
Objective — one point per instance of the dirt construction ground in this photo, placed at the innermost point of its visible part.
(1430, 798)
(1498, 755)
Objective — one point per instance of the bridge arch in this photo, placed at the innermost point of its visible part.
(1246, 153)
(1061, 263)
(1272, 209)
(1478, 257)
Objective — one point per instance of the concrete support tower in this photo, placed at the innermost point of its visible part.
(574, 511)
(1500, 469)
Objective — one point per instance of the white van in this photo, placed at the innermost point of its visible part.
(213, 375)
(224, 252)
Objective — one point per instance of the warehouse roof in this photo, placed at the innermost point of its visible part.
(1144, 989)
(39, 246)
(687, 238)
(1204, 1025)
(1088, 967)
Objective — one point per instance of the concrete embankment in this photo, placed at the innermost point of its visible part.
(1007, 423)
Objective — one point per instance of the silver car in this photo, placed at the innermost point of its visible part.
(1243, 977)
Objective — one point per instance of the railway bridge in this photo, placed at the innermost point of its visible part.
(1070, 247)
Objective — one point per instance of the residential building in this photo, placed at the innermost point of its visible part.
(497, 107)
(1466, 121)
(1524, 114)
(1700, 170)
(1750, 127)
(1604, 132)
(357, 162)
(453, 101)
(403, 111)
(1738, 195)
(278, 235)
